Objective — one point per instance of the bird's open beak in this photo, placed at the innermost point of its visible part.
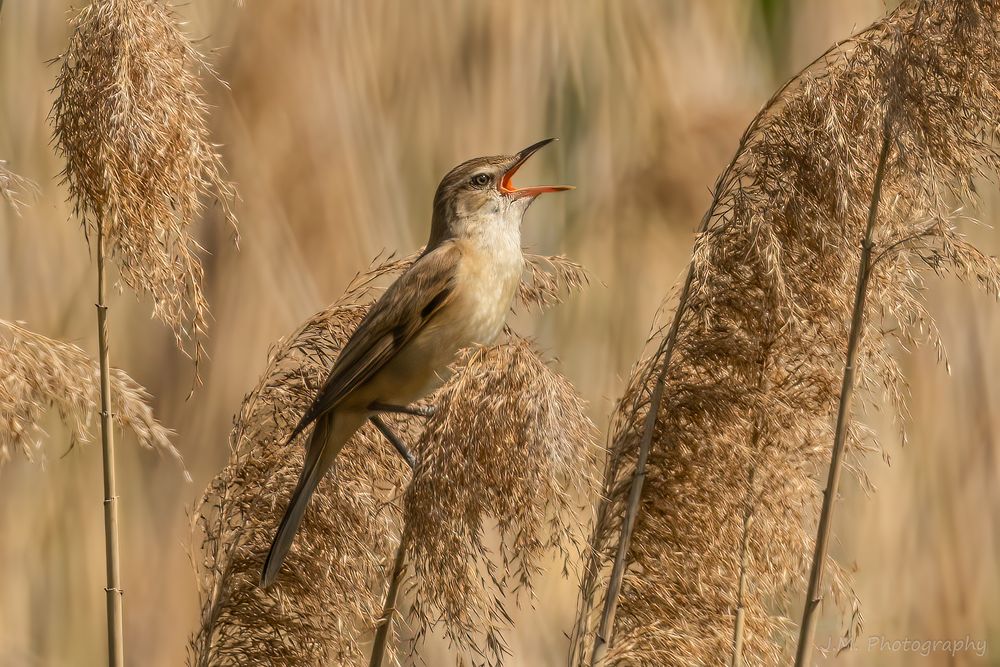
(507, 187)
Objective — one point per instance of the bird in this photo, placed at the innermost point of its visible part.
(455, 295)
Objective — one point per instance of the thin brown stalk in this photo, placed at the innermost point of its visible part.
(389, 608)
(740, 621)
(113, 590)
(603, 638)
(395, 579)
(807, 631)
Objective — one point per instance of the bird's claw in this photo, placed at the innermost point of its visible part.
(414, 410)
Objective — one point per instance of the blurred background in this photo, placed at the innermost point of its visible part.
(338, 122)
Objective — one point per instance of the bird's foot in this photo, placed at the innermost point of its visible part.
(415, 410)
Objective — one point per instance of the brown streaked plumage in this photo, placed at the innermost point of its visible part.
(456, 294)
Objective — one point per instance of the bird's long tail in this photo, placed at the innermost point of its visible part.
(312, 473)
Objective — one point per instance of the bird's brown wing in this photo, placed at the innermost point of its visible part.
(403, 311)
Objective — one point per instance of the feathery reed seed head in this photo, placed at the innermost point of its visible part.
(131, 124)
(752, 384)
(549, 279)
(38, 373)
(329, 594)
(15, 189)
(509, 443)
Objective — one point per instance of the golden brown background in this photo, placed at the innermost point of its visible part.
(339, 119)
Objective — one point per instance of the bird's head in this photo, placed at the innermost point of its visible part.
(478, 196)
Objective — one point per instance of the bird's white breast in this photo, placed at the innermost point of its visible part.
(486, 281)
(489, 276)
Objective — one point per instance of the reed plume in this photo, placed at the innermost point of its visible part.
(38, 374)
(132, 125)
(328, 592)
(548, 280)
(509, 443)
(329, 596)
(15, 189)
(130, 122)
(729, 421)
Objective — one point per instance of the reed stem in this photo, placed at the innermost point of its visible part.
(603, 639)
(810, 616)
(389, 608)
(739, 624)
(113, 591)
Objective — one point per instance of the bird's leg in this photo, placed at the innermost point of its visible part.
(394, 439)
(415, 410)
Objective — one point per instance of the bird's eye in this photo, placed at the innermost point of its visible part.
(481, 180)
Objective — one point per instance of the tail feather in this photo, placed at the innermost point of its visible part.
(311, 475)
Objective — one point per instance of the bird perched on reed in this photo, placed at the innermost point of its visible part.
(456, 294)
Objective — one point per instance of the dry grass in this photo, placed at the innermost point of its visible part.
(38, 374)
(132, 125)
(130, 122)
(549, 280)
(15, 189)
(757, 347)
(510, 444)
(329, 595)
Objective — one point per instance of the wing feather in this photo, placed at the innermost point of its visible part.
(400, 314)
